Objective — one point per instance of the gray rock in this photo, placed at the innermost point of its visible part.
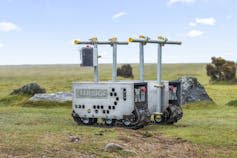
(28, 89)
(111, 147)
(74, 139)
(55, 97)
(192, 90)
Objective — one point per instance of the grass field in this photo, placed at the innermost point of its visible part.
(206, 130)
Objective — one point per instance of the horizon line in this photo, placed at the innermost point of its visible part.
(99, 64)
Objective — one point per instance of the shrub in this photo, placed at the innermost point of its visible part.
(232, 103)
(221, 70)
(125, 71)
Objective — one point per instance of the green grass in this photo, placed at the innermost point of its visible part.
(32, 130)
(232, 103)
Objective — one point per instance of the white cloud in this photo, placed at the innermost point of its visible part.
(194, 33)
(170, 2)
(118, 15)
(1, 45)
(203, 21)
(192, 24)
(206, 21)
(8, 26)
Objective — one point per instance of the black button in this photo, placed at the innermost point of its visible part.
(115, 94)
(102, 107)
(109, 107)
(113, 107)
(96, 111)
(83, 106)
(115, 103)
(111, 94)
(94, 106)
(117, 98)
(79, 106)
(113, 89)
(104, 111)
(107, 111)
(98, 107)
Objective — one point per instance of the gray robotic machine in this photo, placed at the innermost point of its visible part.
(132, 104)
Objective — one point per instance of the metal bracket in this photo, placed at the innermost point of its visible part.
(162, 39)
(146, 38)
(157, 113)
(113, 40)
(159, 86)
(93, 40)
(77, 41)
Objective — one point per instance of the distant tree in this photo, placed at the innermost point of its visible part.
(212, 72)
(229, 70)
(125, 71)
(221, 70)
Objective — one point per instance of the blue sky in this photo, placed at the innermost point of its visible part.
(42, 31)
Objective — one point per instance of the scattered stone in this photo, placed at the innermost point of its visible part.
(147, 134)
(75, 139)
(28, 89)
(111, 147)
(99, 133)
(55, 97)
(192, 90)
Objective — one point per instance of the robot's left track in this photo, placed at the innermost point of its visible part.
(139, 119)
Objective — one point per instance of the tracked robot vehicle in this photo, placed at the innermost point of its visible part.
(127, 103)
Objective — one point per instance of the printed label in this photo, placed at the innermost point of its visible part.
(91, 93)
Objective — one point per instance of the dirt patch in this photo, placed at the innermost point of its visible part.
(136, 143)
(157, 145)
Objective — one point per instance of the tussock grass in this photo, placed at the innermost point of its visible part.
(14, 100)
(232, 103)
(47, 104)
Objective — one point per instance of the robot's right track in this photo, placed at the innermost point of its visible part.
(141, 118)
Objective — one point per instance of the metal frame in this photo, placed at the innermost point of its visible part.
(161, 42)
(113, 42)
(142, 40)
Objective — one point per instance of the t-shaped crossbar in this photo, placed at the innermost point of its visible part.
(161, 42)
(113, 42)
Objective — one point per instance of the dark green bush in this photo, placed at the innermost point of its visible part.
(232, 103)
(221, 70)
(125, 71)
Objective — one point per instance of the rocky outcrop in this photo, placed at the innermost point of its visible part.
(111, 147)
(55, 97)
(28, 89)
(192, 90)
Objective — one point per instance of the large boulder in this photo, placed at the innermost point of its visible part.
(28, 89)
(192, 90)
(55, 97)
